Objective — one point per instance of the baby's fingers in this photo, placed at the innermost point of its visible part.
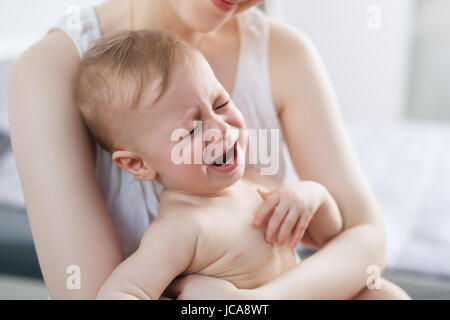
(267, 207)
(288, 224)
(300, 229)
(265, 194)
(275, 220)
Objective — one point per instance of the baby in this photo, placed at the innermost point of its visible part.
(147, 97)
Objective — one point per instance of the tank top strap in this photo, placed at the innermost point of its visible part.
(252, 91)
(252, 88)
(82, 28)
(254, 31)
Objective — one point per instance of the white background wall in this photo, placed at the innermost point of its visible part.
(369, 68)
(22, 22)
(430, 94)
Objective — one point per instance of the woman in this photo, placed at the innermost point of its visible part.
(91, 214)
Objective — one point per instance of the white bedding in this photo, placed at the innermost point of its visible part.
(409, 168)
(408, 165)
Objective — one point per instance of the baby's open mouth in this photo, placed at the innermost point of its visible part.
(227, 158)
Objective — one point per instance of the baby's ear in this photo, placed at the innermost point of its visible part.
(134, 164)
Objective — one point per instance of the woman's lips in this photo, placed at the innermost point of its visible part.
(224, 5)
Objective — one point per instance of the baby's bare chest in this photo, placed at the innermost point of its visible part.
(232, 248)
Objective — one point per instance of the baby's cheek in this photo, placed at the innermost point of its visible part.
(188, 177)
(187, 151)
(238, 119)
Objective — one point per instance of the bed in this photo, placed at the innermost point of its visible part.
(407, 163)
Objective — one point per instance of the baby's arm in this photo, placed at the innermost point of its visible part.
(165, 251)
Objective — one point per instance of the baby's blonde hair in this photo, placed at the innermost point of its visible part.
(113, 73)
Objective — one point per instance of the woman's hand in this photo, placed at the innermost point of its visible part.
(197, 287)
(288, 211)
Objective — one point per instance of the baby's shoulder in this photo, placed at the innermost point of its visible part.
(183, 209)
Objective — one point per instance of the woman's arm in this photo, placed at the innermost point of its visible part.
(337, 271)
(321, 152)
(326, 223)
(67, 213)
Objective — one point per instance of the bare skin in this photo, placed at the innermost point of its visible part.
(213, 236)
(69, 220)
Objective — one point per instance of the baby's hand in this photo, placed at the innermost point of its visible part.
(289, 210)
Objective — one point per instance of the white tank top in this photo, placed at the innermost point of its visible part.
(133, 204)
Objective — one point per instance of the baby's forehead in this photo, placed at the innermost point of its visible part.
(151, 92)
(190, 85)
(159, 86)
(195, 78)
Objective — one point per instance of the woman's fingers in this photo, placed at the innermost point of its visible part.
(198, 287)
(176, 287)
(288, 224)
(173, 290)
(275, 220)
(267, 207)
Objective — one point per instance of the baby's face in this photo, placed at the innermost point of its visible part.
(193, 137)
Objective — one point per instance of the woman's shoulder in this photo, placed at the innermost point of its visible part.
(281, 33)
(291, 52)
(52, 55)
(286, 39)
(63, 44)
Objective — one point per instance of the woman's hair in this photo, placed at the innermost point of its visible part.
(113, 73)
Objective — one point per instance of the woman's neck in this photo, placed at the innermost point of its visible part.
(118, 15)
(159, 14)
